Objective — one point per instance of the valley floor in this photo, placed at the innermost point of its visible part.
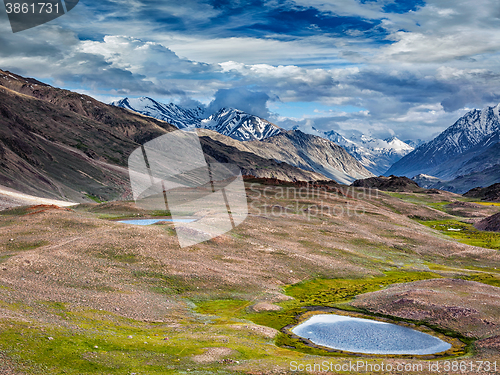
(83, 294)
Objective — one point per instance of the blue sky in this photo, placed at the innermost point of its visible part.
(382, 67)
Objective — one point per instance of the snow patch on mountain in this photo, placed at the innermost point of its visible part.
(240, 125)
(180, 117)
(231, 122)
(376, 155)
(445, 155)
(425, 181)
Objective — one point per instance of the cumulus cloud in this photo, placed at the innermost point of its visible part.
(380, 66)
(116, 65)
(253, 102)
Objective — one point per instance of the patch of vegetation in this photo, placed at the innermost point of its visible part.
(465, 233)
(485, 278)
(81, 146)
(94, 198)
(102, 344)
(224, 308)
(24, 245)
(497, 204)
(4, 258)
(441, 206)
(113, 253)
(161, 213)
(330, 292)
(169, 230)
(162, 283)
(421, 199)
(240, 236)
(16, 211)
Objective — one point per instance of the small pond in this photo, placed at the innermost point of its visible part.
(367, 336)
(154, 221)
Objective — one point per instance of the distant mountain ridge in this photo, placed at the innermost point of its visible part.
(447, 155)
(240, 125)
(171, 113)
(63, 145)
(260, 137)
(231, 122)
(301, 150)
(376, 155)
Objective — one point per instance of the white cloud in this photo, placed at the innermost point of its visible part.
(443, 58)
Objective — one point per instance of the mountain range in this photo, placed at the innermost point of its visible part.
(231, 122)
(304, 151)
(259, 136)
(376, 155)
(59, 144)
(464, 156)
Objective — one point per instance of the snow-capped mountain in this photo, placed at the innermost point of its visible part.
(414, 143)
(231, 122)
(240, 125)
(171, 113)
(425, 181)
(376, 155)
(449, 153)
(307, 151)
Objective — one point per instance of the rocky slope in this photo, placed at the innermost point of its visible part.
(491, 224)
(59, 144)
(63, 145)
(488, 194)
(303, 151)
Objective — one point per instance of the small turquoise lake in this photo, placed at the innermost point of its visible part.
(367, 336)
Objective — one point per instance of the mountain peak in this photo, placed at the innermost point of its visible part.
(240, 125)
(374, 154)
(231, 122)
(444, 156)
(180, 117)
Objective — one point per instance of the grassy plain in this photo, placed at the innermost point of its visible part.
(82, 294)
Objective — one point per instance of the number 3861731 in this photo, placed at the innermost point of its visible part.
(24, 8)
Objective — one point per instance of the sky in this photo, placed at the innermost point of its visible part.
(379, 67)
